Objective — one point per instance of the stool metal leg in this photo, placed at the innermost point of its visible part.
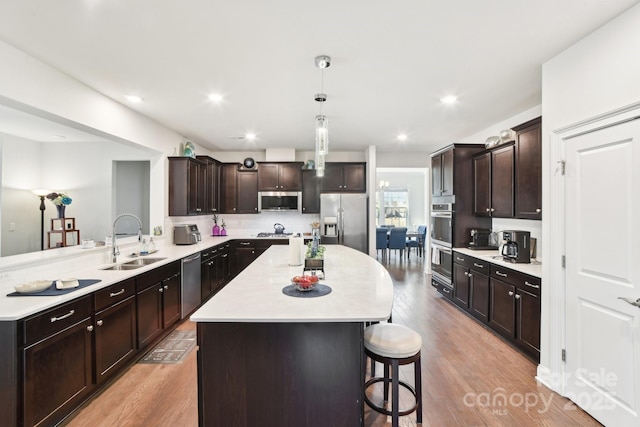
(417, 369)
(395, 391)
(386, 368)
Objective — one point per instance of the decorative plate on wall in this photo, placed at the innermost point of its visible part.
(249, 163)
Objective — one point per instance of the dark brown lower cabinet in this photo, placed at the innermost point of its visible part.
(515, 308)
(471, 285)
(479, 300)
(57, 361)
(158, 302)
(502, 315)
(115, 337)
(508, 301)
(315, 374)
(461, 287)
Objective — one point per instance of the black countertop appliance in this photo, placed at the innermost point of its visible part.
(516, 246)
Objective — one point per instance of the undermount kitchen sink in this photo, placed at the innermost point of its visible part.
(143, 261)
(122, 267)
(132, 265)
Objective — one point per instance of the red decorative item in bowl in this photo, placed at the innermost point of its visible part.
(304, 283)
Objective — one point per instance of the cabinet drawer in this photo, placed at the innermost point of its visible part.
(246, 244)
(473, 263)
(515, 278)
(156, 275)
(114, 294)
(445, 290)
(56, 319)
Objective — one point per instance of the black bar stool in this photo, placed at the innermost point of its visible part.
(394, 345)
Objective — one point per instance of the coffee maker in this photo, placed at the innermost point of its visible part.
(516, 246)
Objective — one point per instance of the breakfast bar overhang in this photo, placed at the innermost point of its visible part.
(266, 358)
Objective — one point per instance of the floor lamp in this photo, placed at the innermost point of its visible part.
(41, 193)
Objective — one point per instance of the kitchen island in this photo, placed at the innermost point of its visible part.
(265, 358)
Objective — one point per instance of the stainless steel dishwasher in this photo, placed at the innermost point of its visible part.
(190, 269)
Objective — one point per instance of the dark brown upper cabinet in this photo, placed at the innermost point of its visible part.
(247, 197)
(442, 173)
(493, 182)
(285, 176)
(211, 185)
(528, 170)
(187, 184)
(229, 188)
(310, 191)
(344, 177)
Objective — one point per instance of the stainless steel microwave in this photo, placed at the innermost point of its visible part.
(280, 201)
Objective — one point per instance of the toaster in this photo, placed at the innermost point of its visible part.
(186, 234)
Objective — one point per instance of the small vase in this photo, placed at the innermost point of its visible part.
(61, 209)
(223, 232)
(216, 230)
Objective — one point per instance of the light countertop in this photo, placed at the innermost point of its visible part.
(18, 307)
(532, 269)
(362, 290)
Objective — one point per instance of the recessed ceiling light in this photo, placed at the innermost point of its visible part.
(215, 97)
(449, 99)
(250, 136)
(401, 137)
(133, 98)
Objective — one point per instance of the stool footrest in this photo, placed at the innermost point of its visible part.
(385, 411)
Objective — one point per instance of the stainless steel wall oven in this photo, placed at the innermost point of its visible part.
(441, 242)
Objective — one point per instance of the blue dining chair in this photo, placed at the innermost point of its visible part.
(398, 239)
(381, 240)
(419, 242)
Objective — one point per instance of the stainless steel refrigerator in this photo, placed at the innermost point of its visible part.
(343, 220)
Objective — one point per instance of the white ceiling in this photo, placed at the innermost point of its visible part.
(391, 62)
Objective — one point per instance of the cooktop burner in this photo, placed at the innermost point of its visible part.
(264, 234)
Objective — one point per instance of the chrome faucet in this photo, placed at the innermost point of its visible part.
(115, 250)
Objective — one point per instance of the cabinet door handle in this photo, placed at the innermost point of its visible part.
(459, 259)
(510, 293)
(500, 274)
(99, 323)
(90, 328)
(198, 210)
(64, 316)
(538, 210)
(517, 296)
(492, 210)
(466, 273)
(161, 290)
(478, 265)
(210, 264)
(488, 209)
(532, 285)
(245, 243)
(115, 294)
(446, 290)
(225, 255)
(470, 275)
(166, 287)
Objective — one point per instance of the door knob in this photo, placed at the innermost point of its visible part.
(631, 301)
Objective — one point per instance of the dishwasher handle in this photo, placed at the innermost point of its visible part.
(190, 259)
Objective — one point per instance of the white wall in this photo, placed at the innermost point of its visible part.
(596, 75)
(416, 181)
(494, 130)
(82, 169)
(399, 159)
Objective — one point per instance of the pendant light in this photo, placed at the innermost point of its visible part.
(322, 124)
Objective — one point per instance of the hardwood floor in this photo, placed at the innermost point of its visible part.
(470, 376)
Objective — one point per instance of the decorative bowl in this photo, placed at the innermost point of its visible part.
(304, 283)
(33, 287)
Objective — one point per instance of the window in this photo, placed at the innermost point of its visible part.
(392, 206)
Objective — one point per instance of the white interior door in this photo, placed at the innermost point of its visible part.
(602, 227)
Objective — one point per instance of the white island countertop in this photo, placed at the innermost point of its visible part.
(362, 290)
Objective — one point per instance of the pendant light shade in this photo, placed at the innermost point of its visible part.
(322, 124)
(322, 135)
